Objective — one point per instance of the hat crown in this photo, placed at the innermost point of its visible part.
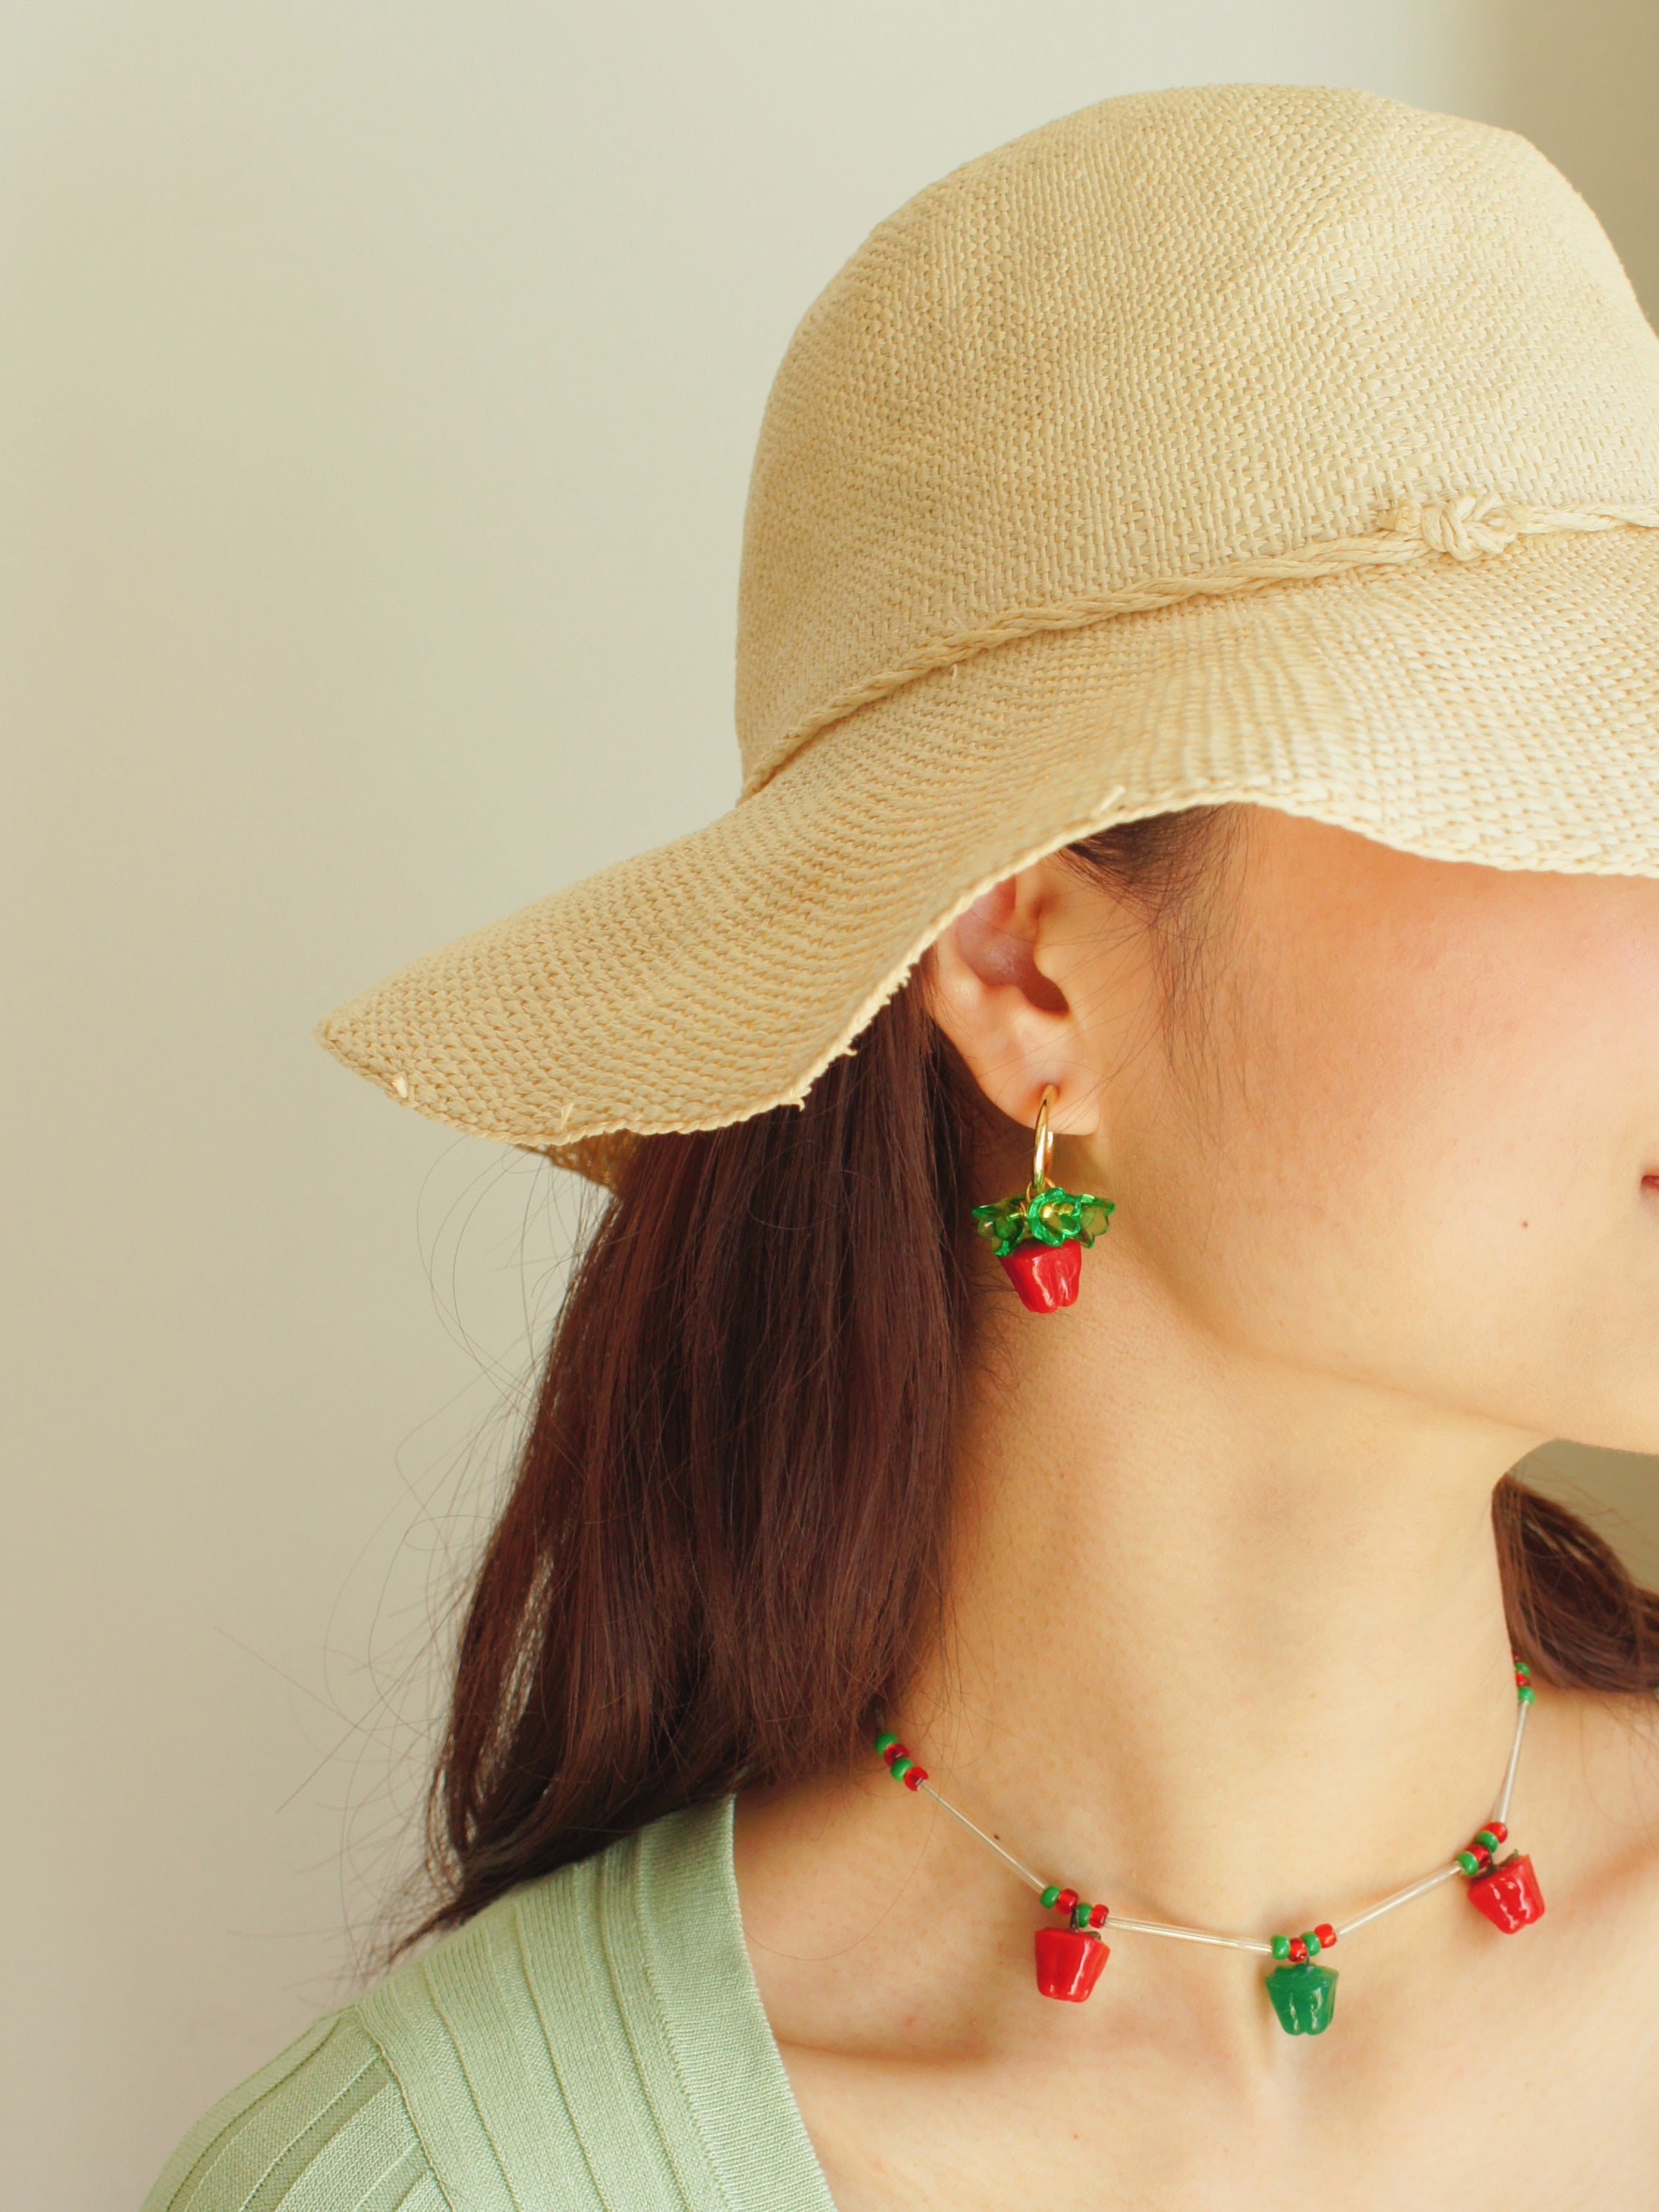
(1173, 333)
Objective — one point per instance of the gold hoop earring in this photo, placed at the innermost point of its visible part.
(1041, 1235)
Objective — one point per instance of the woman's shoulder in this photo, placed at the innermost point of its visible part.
(582, 2042)
(327, 2107)
(421, 2092)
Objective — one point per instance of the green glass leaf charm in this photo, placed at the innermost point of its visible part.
(1002, 1222)
(1051, 1216)
(1304, 1998)
(1095, 1214)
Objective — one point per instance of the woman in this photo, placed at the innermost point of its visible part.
(1199, 690)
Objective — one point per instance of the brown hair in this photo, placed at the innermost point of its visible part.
(726, 1543)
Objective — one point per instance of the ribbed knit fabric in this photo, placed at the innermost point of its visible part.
(592, 2043)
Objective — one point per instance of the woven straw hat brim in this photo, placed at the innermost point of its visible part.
(1502, 711)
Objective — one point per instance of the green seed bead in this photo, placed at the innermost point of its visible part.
(884, 1743)
(1467, 1861)
(900, 1768)
(1315, 1946)
(1281, 1947)
(1079, 1915)
(1486, 1840)
(1524, 1693)
(1051, 1897)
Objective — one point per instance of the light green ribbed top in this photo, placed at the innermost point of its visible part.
(593, 2040)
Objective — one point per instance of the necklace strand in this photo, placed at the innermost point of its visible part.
(917, 1780)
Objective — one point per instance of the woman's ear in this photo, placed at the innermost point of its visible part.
(995, 991)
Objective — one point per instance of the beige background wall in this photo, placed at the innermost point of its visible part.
(380, 386)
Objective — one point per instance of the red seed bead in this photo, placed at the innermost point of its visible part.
(1298, 1952)
(1498, 1831)
(894, 1753)
(1326, 1934)
(1098, 1916)
(915, 1778)
(1066, 1900)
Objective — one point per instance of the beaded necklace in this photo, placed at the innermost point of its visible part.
(1070, 1958)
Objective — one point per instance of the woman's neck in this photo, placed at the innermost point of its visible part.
(1224, 1646)
(1226, 1639)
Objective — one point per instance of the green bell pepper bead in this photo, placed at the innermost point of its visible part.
(1304, 1998)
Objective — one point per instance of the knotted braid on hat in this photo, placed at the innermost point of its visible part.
(1467, 529)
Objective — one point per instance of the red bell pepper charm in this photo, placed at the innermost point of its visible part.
(1045, 1275)
(1069, 1962)
(1509, 1895)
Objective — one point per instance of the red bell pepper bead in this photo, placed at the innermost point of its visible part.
(1046, 1276)
(1509, 1896)
(1069, 1962)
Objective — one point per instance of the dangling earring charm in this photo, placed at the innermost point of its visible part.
(1040, 1236)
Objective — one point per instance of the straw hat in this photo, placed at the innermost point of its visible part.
(1247, 443)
